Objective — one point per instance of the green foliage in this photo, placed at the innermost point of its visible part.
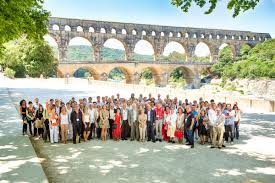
(258, 62)
(79, 53)
(18, 18)
(117, 74)
(225, 59)
(147, 74)
(85, 53)
(176, 78)
(200, 59)
(82, 73)
(9, 73)
(174, 56)
(244, 50)
(236, 5)
(29, 57)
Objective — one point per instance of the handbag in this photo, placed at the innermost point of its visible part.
(114, 126)
(178, 134)
(39, 123)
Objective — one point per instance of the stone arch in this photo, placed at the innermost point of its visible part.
(188, 74)
(79, 29)
(171, 34)
(55, 27)
(177, 43)
(113, 31)
(143, 33)
(148, 42)
(67, 28)
(102, 30)
(203, 53)
(155, 72)
(59, 73)
(134, 32)
(123, 31)
(127, 73)
(93, 72)
(52, 41)
(223, 45)
(85, 41)
(91, 29)
(117, 40)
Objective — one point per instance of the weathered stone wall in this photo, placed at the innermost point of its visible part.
(258, 88)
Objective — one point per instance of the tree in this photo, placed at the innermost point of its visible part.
(174, 56)
(258, 62)
(18, 18)
(225, 58)
(29, 57)
(236, 5)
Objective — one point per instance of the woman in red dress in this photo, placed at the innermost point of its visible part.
(117, 125)
(165, 124)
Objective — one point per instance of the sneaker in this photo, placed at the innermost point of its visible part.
(232, 143)
(223, 146)
(212, 147)
(192, 146)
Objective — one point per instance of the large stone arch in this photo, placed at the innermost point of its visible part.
(84, 38)
(208, 44)
(151, 42)
(91, 70)
(155, 71)
(127, 72)
(126, 49)
(183, 44)
(189, 74)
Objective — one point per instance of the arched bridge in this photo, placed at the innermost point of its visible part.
(98, 32)
(132, 70)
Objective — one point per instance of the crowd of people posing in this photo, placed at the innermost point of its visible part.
(137, 118)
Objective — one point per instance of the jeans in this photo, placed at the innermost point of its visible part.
(150, 132)
(190, 136)
(229, 133)
(236, 130)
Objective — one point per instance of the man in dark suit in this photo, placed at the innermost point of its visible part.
(76, 119)
(151, 120)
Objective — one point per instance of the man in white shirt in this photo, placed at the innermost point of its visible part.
(212, 120)
(111, 119)
(133, 122)
(93, 117)
(218, 130)
(125, 125)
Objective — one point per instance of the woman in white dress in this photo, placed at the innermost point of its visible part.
(69, 111)
(64, 123)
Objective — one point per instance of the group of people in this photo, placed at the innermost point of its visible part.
(137, 118)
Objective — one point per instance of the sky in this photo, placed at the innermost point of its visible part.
(161, 12)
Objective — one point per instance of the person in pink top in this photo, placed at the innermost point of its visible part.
(159, 121)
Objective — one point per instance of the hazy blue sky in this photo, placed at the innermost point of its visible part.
(262, 19)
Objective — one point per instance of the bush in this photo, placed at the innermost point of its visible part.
(9, 73)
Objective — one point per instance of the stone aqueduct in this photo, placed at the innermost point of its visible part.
(97, 32)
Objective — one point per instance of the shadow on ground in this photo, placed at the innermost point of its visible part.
(251, 159)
